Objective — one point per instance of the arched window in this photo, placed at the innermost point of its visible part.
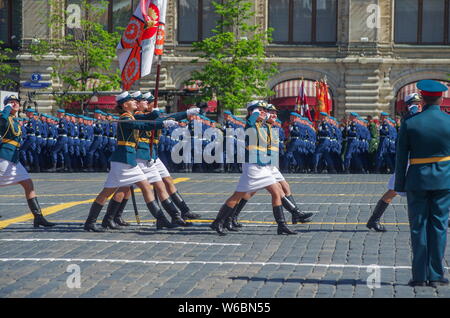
(400, 106)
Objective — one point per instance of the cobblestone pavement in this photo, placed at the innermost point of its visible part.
(330, 257)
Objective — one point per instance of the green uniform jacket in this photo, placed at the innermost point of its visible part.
(125, 133)
(254, 151)
(424, 135)
(9, 146)
(143, 150)
(373, 143)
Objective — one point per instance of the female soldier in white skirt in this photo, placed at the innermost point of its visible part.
(124, 168)
(11, 170)
(232, 224)
(256, 174)
(146, 156)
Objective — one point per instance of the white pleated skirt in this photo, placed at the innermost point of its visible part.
(12, 173)
(150, 170)
(277, 174)
(255, 177)
(122, 174)
(391, 184)
(162, 170)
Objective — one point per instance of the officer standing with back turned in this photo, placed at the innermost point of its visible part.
(424, 139)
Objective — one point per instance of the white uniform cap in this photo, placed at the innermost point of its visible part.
(136, 95)
(148, 96)
(122, 96)
(414, 97)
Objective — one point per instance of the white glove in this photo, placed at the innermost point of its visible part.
(156, 109)
(169, 123)
(193, 111)
(267, 116)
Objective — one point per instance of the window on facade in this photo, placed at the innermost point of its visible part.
(303, 21)
(11, 22)
(422, 21)
(117, 13)
(196, 20)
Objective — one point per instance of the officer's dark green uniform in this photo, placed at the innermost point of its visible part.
(424, 139)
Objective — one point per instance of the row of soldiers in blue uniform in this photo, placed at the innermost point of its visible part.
(71, 142)
(331, 147)
(67, 142)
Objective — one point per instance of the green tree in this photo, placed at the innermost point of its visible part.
(235, 69)
(7, 69)
(84, 55)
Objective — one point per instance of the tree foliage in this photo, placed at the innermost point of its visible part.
(84, 55)
(7, 69)
(235, 70)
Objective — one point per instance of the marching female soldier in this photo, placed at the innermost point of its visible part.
(287, 200)
(146, 156)
(124, 168)
(256, 172)
(11, 170)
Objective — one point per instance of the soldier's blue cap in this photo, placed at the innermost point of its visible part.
(98, 111)
(324, 114)
(431, 88)
(61, 111)
(354, 114)
(384, 114)
(277, 120)
(184, 121)
(227, 112)
(29, 110)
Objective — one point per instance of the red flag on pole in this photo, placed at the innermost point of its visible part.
(137, 45)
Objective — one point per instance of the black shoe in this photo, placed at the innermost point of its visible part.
(237, 210)
(279, 218)
(437, 283)
(172, 210)
(90, 225)
(118, 217)
(39, 219)
(108, 219)
(228, 224)
(297, 216)
(217, 225)
(161, 220)
(182, 206)
(414, 283)
(93, 227)
(374, 221)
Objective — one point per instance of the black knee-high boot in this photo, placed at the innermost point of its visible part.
(108, 219)
(297, 216)
(374, 221)
(118, 217)
(39, 219)
(181, 204)
(217, 225)
(172, 210)
(279, 218)
(231, 223)
(161, 220)
(90, 224)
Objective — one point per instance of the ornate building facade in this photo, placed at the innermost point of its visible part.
(371, 52)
